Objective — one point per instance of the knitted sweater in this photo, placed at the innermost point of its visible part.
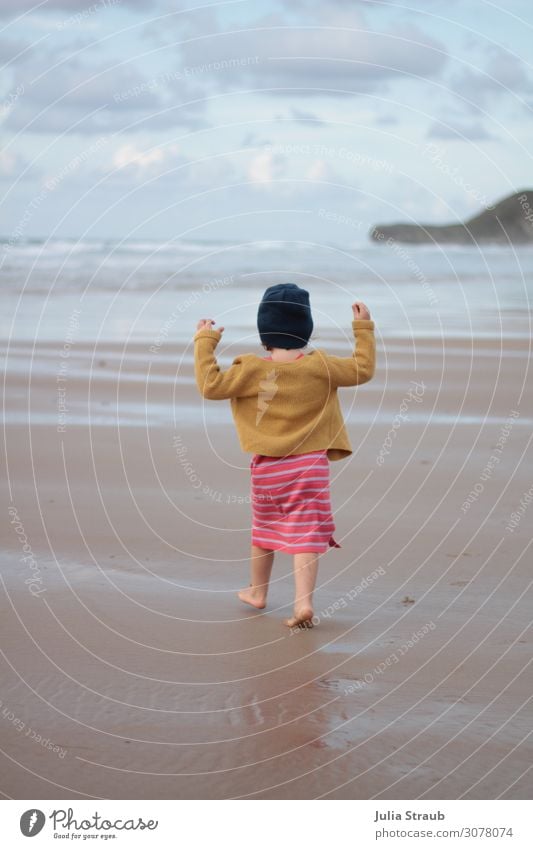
(287, 408)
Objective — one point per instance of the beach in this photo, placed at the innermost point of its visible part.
(130, 670)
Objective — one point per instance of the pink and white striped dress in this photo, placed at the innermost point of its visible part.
(291, 506)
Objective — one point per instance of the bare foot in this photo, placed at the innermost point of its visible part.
(301, 619)
(254, 596)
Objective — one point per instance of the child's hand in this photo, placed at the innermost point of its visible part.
(360, 310)
(206, 324)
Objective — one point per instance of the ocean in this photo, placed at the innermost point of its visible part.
(153, 292)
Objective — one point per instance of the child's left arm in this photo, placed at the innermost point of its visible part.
(213, 383)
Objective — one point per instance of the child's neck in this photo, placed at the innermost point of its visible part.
(284, 355)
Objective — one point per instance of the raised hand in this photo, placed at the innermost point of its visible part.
(207, 324)
(360, 310)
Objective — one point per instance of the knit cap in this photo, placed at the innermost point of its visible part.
(284, 317)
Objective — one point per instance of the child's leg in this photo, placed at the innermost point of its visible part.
(305, 572)
(260, 567)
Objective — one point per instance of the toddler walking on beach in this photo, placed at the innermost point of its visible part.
(287, 414)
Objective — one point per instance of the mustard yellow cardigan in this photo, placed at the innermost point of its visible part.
(287, 408)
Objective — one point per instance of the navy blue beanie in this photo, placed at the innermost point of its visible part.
(284, 317)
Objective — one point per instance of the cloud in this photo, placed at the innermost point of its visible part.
(342, 56)
(474, 131)
(479, 93)
(181, 20)
(130, 164)
(305, 117)
(13, 50)
(253, 140)
(13, 164)
(386, 119)
(151, 161)
(504, 74)
(165, 164)
(300, 116)
(266, 167)
(295, 175)
(73, 96)
(319, 171)
(9, 8)
(380, 3)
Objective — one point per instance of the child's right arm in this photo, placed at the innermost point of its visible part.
(360, 367)
(213, 383)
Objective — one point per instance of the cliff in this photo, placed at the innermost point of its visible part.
(510, 220)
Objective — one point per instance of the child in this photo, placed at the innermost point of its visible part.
(287, 414)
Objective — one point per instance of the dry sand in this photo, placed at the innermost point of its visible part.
(133, 656)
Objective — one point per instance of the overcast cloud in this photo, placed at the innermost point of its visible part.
(263, 106)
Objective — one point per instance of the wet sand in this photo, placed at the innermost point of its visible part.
(131, 670)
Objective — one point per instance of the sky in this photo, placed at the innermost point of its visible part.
(254, 120)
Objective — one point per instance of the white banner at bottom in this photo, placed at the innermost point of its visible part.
(264, 823)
